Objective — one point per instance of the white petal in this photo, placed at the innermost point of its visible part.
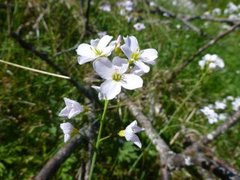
(94, 42)
(133, 127)
(136, 70)
(85, 50)
(149, 55)
(132, 43)
(74, 111)
(108, 50)
(84, 59)
(126, 50)
(110, 89)
(133, 138)
(64, 112)
(66, 127)
(120, 64)
(131, 81)
(103, 68)
(142, 66)
(201, 63)
(104, 41)
(72, 108)
(66, 137)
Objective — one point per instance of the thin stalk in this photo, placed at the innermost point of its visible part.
(98, 139)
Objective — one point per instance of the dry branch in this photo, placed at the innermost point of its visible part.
(44, 56)
(54, 163)
(165, 12)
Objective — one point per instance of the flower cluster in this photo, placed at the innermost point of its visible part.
(220, 109)
(128, 64)
(232, 11)
(211, 61)
(72, 109)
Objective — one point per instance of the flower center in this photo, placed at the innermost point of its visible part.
(117, 77)
(121, 133)
(97, 51)
(134, 57)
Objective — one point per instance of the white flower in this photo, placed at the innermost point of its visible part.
(139, 26)
(129, 133)
(105, 7)
(220, 105)
(152, 4)
(231, 7)
(230, 98)
(115, 77)
(216, 11)
(236, 104)
(138, 57)
(96, 49)
(72, 108)
(212, 61)
(211, 115)
(67, 129)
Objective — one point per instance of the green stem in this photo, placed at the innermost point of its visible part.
(98, 139)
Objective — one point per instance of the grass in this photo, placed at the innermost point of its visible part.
(30, 102)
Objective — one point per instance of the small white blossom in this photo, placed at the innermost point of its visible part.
(236, 104)
(211, 61)
(127, 5)
(220, 105)
(216, 12)
(152, 4)
(67, 129)
(97, 48)
(231, 7)
(211, 115)
(138, 57)
(72, 109)
(105, 7)
(115, 77)
(139, 26)
(130, 133)
(230, 98)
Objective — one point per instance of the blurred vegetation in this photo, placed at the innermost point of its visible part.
(30, 102)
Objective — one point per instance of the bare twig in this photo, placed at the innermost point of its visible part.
(182, 66)
(221, 129)
(213, 19)
(54, 163)
(161, 10)
(43, 55)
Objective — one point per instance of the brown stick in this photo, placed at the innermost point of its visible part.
(221, 129)
(162, 10)
(54, 163)
(44, 56)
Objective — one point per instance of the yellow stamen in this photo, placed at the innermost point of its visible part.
(117, 77)
(121, 133)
